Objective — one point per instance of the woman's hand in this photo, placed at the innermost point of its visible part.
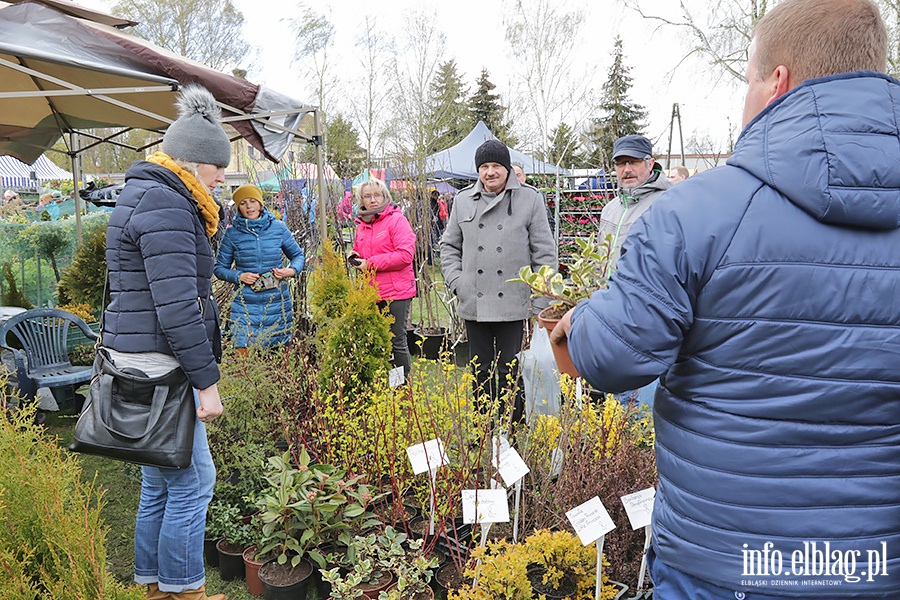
(210, 404)
(284, 273)
(356, 261)
(248, 278)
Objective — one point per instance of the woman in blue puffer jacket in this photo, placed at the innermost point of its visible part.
(251, 257)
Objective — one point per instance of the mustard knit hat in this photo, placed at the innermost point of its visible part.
(247, 191)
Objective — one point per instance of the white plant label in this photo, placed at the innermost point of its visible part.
(395, 377)
(485, 506)
(590, 520)
(427, 456)
(639, 507)
(511, 466)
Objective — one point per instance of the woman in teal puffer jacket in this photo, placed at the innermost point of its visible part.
(251, 256)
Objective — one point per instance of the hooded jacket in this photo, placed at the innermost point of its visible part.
(764, 292)
(620, 213)
(258, 246)
(160, 268)
(487, 241)
(389, 245)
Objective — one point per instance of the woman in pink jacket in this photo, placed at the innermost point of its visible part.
(385, 243)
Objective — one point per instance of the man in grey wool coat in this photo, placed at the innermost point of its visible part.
(496, 227)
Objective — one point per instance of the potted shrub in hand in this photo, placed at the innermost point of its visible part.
(587, 274)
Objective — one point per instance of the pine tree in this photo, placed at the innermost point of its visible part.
(621, 116)
(449, 116)
(565, 148)
(485, 106)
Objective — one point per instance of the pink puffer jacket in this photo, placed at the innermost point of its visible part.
(389, 244)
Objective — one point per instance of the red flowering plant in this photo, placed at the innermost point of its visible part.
(308, 507)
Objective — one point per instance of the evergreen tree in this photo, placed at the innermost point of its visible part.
(342, 148)
(449, 116)
(565, 148)
(485, 106)
(621, 116)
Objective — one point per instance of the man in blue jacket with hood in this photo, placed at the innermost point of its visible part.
(763, 294)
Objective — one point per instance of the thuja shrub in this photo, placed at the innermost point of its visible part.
(329, 285)
(357, 344)
(52, 544)
(84, 280)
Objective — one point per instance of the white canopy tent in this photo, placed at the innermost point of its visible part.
(15, 173)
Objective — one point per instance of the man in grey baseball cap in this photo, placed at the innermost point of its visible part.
(639, 186)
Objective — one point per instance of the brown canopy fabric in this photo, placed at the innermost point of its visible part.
(61, 74)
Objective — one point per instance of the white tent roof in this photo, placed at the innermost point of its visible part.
(458, 162)
(15, 173)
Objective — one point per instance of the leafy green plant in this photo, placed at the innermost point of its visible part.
(375, 555)
(405, 559)
(310, 505)
(224, 521)
(586, 275)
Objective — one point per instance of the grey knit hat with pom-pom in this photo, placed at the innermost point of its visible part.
(197, 135)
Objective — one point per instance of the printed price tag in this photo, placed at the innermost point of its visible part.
(590, 520)
(510, 464)
(639, 507)
(485, 506)
(428, 456)
(395, 377)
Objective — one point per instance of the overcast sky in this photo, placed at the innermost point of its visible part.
(709, 104)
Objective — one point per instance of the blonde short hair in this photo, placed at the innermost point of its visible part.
(816, 38)
(377, 184)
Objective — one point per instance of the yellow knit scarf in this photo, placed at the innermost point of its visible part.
(208, 207)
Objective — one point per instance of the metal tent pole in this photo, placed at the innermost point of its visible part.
(320, 168)
(76, 177)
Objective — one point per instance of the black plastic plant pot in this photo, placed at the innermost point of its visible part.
(210, 552)
(283, 582)
(231, 561)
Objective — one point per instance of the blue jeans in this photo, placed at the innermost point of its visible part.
(171, 520)
(642, 395)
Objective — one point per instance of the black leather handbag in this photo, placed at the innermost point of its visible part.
(131, 417)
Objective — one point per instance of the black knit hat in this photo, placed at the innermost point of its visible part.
(493, 151)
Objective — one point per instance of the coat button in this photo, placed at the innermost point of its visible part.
(481, 226)
(499, 294)
(499, 249)
(500, 226)
(499, 272)
(480, 295)
(481, 248)
(480, 272)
